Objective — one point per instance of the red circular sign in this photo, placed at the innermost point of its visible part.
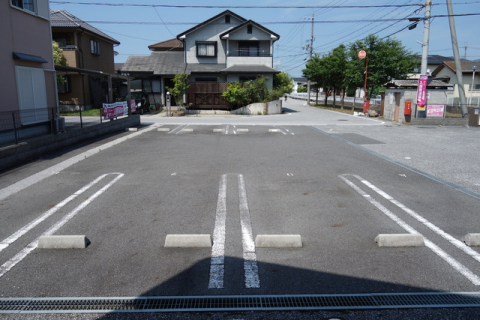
(361, 54)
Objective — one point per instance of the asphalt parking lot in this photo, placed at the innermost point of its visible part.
(336, 184)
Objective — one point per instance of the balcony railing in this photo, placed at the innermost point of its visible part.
(249, 53)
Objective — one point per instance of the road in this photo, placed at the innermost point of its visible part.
(335, 180)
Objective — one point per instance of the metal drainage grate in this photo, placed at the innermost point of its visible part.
(239, 303)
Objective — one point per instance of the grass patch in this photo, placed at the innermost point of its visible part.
(453, 115)
(86, 113)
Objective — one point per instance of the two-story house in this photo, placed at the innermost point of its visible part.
(222, 49)
(89, 54)
(471, 81)
(27, 84)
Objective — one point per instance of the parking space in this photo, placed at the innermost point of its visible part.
(289, 182)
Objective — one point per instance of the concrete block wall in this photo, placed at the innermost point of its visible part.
(34, 148)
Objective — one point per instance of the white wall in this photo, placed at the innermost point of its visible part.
(209, 32)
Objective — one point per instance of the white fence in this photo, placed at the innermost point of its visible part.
(304, 96)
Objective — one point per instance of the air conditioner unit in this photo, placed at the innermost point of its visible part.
(59, 124)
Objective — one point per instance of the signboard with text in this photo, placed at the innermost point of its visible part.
(113, 110)
(435, 111)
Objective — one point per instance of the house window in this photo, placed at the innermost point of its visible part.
(156, 85)
(206, 49)
(476, 87)
(39, 8)
(249, 29)
(63, 86)
(227, 19)
(248, 49)
(94, 47)
(24, 4)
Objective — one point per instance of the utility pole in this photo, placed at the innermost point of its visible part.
(426, 37)
(311, 51)
(458, 64)
(422, 109)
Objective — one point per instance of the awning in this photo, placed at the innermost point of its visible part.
(28, 57)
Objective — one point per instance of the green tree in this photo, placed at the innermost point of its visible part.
(59, 59)
(315, 71)
(283, 83)
(235, 94)
(334, 64)
(180, 87)
(387, 59)
(302, 89)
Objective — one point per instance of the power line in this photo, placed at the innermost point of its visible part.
(282, 22)
(251, 7)
(233, 7)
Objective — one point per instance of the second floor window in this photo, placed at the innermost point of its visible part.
(206, 49)
(94, 47)
(248, 49)
(24, 4)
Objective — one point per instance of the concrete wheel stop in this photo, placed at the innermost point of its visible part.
(472, 239)
(63, 242)
(188, 241)
(278, 241)
(400, 240)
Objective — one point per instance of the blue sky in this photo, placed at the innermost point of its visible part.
(334, 26)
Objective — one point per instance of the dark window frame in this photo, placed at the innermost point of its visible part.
(28, 5)
(95, 47)
(249, 29)
(66, 86)
(206, 43)
(227, 19)
(244, 48)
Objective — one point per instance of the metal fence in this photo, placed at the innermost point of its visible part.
(19, 125)
(473, 102)
(77, 118)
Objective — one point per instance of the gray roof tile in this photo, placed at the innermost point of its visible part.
(64, 19)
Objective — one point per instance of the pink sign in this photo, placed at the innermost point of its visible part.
(133, 106)
(435, 111)
(113, 110)
(422, 90)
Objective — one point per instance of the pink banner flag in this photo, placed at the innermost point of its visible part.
(422, 90)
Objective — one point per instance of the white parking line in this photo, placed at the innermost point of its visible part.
(27, 182)
(14, 237)
(177, 129)
(217, 264)
(457, 243)
(288, 131)
(249, 257)
(32, 245)
(442, 254)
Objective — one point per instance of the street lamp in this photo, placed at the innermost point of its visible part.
(471, 87)
(362, 54)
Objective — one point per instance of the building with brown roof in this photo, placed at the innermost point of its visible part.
(86, 48)
(471, 79)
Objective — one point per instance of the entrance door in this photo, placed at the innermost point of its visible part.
(396, 116)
